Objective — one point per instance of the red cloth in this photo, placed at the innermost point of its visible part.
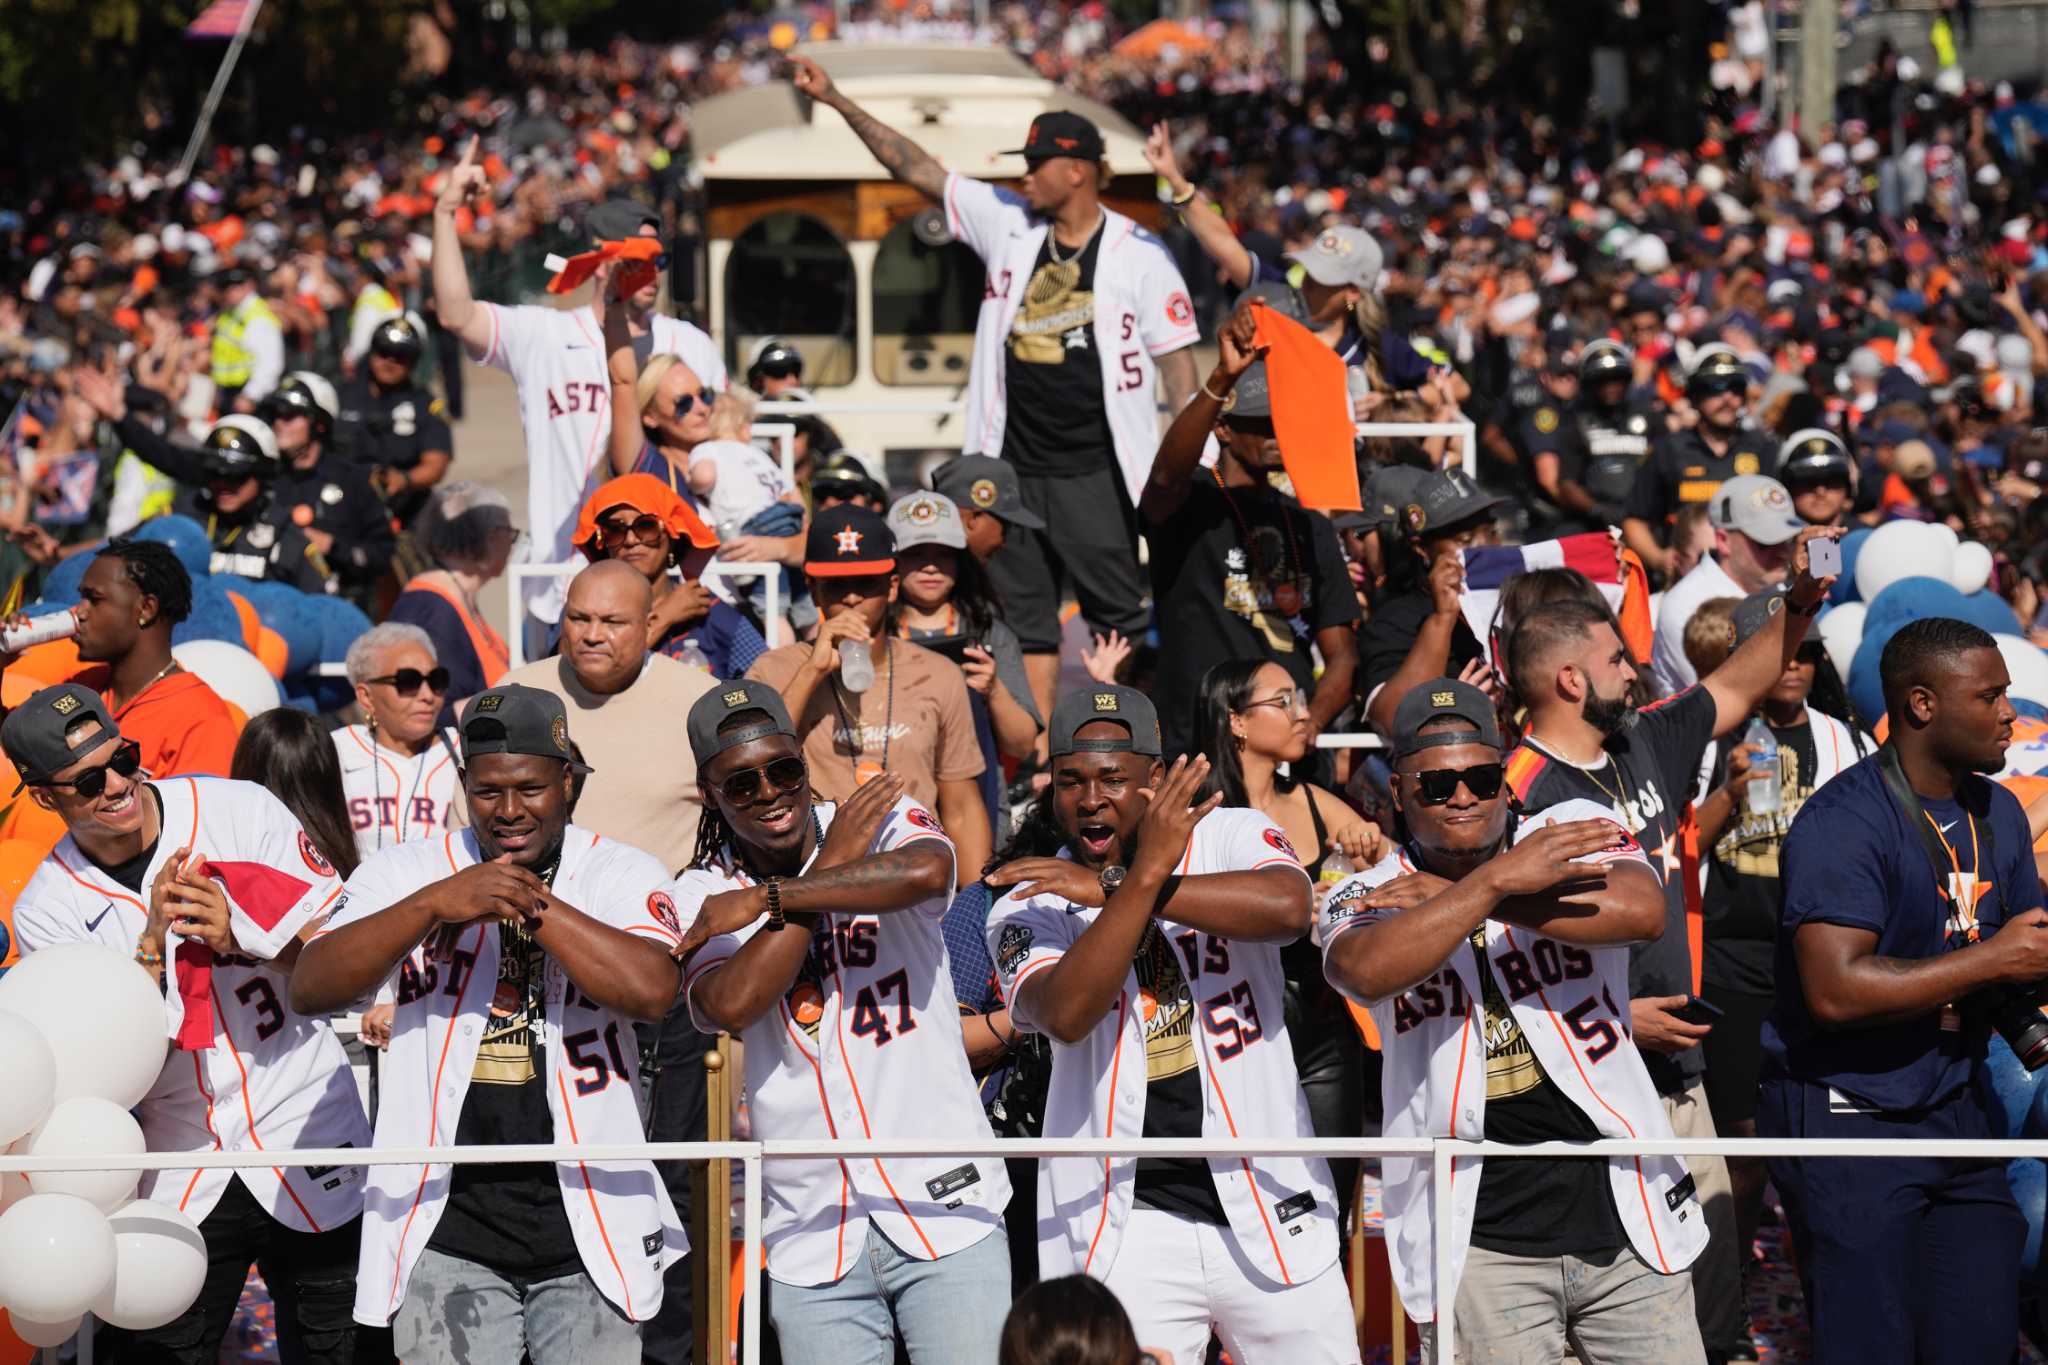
(195, 989)
(636, 266)
(1311, 413)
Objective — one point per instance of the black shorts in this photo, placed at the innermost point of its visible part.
(1090, 543)
(1735, 1053)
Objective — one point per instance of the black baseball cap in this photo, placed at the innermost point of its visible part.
(727, 699)
(617, 219)
(1127, 706)
(849, 542)
(33, 734)
(516, 719)
(1059, 132)
(1435, 700)
(1444, 499)
(986, 484)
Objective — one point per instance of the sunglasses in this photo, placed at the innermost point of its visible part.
(1293, 702)
(782, 774)
(687, 400)
(407, 681)
(127, 761)
(647, 529)
(1717, 385)
(1439, 785)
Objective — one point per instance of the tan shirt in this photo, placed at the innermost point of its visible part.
(642, 789)
(926, 740)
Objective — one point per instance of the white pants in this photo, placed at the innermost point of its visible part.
(1177, 1277)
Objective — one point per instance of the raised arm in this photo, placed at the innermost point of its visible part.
(1751, 671)
(902, 158)
(1196, 212)
(1180, 449)
(622, 368)
(453, 302)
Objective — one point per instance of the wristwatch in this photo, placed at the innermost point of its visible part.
(776, 922)
(1111, 878)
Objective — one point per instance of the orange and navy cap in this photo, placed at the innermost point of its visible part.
(849, 541)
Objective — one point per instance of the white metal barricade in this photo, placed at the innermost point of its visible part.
(517, 575)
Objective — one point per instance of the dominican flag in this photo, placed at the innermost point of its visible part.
(222, 19)
(1489, 567)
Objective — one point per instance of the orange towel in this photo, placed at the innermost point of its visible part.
(1311, 413)
(1637, 631)
(639, 266)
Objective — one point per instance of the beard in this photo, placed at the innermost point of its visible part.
(1609, 715)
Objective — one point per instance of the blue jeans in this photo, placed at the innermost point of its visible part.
(950, 1311)
(457, 1312)
(2018, 1103)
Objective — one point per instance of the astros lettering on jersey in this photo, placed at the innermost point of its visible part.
(556, 359)
(619, 1211)
(259, 1075)
(393, 797)
(866, 1044)
(1229, 996)
(1570, 1004)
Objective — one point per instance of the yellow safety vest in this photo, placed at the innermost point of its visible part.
(232, 361)
(376, 299)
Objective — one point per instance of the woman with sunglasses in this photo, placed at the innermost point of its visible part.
(1251, 719)
(398, 771)
(467, 531)
(639, 521)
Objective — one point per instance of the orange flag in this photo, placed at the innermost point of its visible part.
(640, 261)
(1311, 412)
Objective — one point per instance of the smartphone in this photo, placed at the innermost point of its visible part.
(1824, 558)
(1698, 1011)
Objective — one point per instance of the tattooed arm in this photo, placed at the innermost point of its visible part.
(901, 157)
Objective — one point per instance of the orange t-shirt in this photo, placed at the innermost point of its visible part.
(182, 725)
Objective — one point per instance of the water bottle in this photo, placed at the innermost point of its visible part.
(1763, 796)
(856, 665)
(691, 655)
(58, 625)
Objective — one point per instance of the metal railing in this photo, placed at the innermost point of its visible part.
(752, 1154)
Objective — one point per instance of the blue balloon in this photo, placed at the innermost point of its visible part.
(2030, 710)
(340, 623)
(187, 539)
(60, 584)
(1912, 598)
(1988, 610)
(286, 610)
(213, 616)
(1866, 689)
(1852, 545)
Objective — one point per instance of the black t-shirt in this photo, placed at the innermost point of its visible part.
(1530, 1206)
(131, 873)
(1744, 892)
(392, 429)
(509, 1218)
(1243, 574)
(1648, 777)
(1683, 469)
(1173, 1091)
(1056, 423)
(1384, 641)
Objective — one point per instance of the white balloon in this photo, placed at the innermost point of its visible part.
(159, 1266)
(115, 1031)
(2028, 666)
(31, 1076)
(87, 1126)
(1841, 631)
(1971, 568)
(33, 1333)
(56, 1257)
(236, 674)
(1903, 549)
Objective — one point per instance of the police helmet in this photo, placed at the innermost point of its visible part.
(304, 394)
(241, 447)
(774, 358)
(402, 338)
(1814, 453)
(1604, 360)
(1717, 369)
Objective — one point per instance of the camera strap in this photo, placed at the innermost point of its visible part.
(1970, 796)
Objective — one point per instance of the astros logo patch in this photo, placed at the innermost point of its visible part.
(1281, 842)
(982, 493)
(1179, 311)
(663, 908)
(313, 856)
(847, 541)
(924, 819)
(559, 732)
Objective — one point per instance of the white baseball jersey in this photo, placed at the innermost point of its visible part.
(619, 1211)
(1141, 312)
(393, 797)
(866, 1044)
(556, 359)
(262, 1075)
(1224, 1005)
(1571, 1004)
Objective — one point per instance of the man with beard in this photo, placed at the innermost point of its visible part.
(1154, 940)
(525, 948)
(1912, 911)
(1585, 740)
(1688, 466)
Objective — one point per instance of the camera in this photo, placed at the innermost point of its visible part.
(2016, 1012)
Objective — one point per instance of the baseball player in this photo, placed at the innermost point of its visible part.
(815, 938)
(211, 885)
(1493, 953)
(556, 359)
(1153, 940)
(543, 944)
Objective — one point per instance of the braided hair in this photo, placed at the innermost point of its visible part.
(155, 570)
(713, 834)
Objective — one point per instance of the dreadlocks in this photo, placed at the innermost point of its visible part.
(156, 572)
(712, 836)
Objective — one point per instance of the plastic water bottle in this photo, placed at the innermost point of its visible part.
(856, 665)
(692, 655)
(1764, 795)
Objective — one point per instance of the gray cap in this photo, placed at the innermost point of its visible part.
(1444, 499)
(516, 719)
(1758, 506)
(1755, 611)
(728, 699)
(1125, 705)
(617, 219)
(1340, 256)
(1388, 491)
(927, 519)
(986, 484)
(34, 733)
(1252, 396)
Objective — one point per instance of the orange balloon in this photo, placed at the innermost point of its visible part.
(269, 649)
(251, 623)
(52, 662)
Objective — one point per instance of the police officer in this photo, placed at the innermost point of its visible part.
(247, 357)
(776, 372)
(1815, 467)
(389, 427)
(1689, 465)
(321, 492)
(233, 498)
(1552, 452)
